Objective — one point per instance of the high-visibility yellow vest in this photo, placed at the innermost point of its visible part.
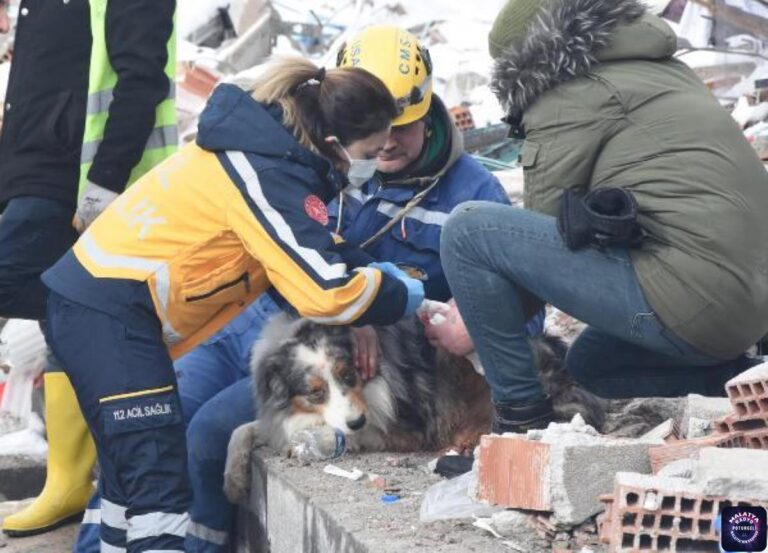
(101, 83)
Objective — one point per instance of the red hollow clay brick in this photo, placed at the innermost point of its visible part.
(734, 423)
(462, 118)
(756, 439)
(649, 518)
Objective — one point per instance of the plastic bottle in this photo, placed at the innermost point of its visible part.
(315, 444)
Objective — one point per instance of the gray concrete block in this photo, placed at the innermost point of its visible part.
(21, 476)
(582, 473)
(733, 472)
(700, 408)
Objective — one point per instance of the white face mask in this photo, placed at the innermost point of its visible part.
(360, 170)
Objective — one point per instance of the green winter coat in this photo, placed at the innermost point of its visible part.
(604, 104)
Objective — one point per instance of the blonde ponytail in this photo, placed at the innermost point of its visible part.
(348, 103)
(277, 85)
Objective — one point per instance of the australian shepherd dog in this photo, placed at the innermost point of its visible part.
(421, 398)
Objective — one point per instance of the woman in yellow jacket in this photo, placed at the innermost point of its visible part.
(187, 247)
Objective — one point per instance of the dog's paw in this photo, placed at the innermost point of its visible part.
(237, 473)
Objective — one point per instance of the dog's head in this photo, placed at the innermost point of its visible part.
(308, 378)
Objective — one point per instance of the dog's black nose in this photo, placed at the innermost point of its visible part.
(356, 424)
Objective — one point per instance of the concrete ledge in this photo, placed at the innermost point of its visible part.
(305, 510)
(21, 476)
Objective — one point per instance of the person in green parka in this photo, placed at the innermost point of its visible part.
(595, 90)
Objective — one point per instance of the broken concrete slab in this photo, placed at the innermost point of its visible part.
(666, 431)
(679, 512)
(734, 472)
(698, 408)
(563, 469)
(633, 418)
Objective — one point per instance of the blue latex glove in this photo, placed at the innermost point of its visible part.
(414, 287)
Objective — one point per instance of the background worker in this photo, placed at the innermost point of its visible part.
(423, 172)
(84, 113)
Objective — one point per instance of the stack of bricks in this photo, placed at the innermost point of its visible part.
(748, 394)
(462, 118)
(653, 513)
(746, 426)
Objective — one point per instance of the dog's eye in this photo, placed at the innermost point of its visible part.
(349, 378)
(316, 396)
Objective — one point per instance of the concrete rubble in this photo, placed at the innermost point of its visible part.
(662, 513)
(684, 470)
(563, 469)
(676, 508)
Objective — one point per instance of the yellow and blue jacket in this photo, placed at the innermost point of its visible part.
(214, 226)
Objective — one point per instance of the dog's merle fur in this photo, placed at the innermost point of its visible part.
(421, 398)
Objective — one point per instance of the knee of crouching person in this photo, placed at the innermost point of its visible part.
(463, 217)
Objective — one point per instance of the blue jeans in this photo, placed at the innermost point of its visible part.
(34, 233)
(217, 397)
(216, 394)
(499, 258)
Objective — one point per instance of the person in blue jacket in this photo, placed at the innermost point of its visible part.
(397, 216)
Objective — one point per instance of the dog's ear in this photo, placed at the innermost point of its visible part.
(271, 382)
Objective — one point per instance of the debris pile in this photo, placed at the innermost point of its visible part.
(726, 43)
(660, 491)
(674, 513)
(748, 394)
(563, 469)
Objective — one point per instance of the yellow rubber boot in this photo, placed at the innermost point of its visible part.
(71, 454)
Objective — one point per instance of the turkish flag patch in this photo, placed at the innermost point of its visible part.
(316, 209)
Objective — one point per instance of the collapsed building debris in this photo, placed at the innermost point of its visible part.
(563, 469)
(699, 414)
(661, 513)
(748, 394)
(676, 509)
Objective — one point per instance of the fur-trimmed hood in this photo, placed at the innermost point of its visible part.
(567, 38)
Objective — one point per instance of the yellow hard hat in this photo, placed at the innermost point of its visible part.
(397, 58)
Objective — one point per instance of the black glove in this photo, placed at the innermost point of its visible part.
(606, 217)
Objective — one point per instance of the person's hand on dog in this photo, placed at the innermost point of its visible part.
(450, 333)
(414, 287)
(366, 351)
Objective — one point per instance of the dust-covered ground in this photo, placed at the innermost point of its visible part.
(384, 528)
(58, 541)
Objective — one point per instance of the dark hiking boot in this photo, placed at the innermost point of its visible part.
(520, 419)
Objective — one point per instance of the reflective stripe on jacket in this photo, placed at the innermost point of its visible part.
(210, 229)
(134, 60)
